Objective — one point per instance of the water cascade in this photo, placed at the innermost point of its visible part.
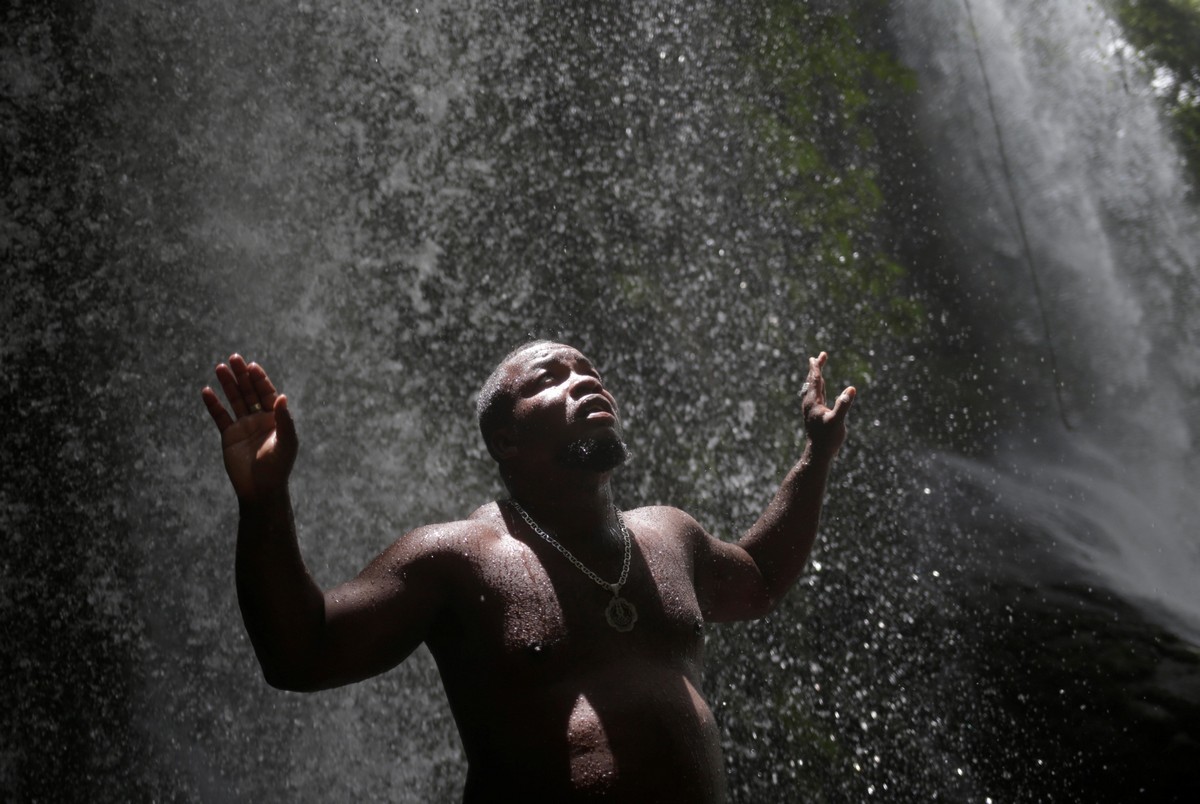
(376, 201)
(1054, 154)
(1073, 239)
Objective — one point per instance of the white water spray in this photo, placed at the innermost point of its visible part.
(1045, 105)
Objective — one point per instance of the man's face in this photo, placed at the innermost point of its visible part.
(563, 405)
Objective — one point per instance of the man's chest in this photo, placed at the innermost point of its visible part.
(529, 608)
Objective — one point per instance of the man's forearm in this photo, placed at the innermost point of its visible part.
(782, 538)
(282, 607)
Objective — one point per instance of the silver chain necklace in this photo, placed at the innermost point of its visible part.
(620, 613)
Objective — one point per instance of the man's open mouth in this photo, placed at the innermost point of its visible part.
(597, 407)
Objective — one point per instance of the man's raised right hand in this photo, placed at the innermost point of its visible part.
(258, 434)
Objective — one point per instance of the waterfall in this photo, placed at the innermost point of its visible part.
(1052, 152)
(376, 200)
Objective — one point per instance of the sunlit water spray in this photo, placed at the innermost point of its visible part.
(1052, 146)
(378, 200)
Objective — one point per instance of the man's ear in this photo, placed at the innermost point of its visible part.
(503, 444)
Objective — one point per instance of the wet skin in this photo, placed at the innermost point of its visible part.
(552, 704)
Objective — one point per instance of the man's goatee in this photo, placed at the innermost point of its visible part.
(594, 454)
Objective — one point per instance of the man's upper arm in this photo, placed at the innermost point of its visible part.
(376, 620)
(729, 585)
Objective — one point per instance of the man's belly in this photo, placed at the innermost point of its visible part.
(651, 737)
(643, 734)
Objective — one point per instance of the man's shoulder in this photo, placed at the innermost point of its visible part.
(669, 519)
(457, 537)
(488, 515)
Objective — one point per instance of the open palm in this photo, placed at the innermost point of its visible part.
(825, 426)
(258, 435)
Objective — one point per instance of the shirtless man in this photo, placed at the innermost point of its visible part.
(569, 635)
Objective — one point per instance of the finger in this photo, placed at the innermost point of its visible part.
(285, 425)
(263, 386)
(245, 384)
(815, 364)
(215, 409)
(229, 386)
(842, 406)
(816, 382)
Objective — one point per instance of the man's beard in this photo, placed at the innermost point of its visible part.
(594, 454)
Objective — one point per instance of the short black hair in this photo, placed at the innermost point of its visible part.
(497, 397)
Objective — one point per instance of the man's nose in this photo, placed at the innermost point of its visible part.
(584, 384)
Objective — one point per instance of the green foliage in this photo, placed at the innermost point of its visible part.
(824, 87)
(1167, 35)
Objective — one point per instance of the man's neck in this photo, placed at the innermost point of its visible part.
(572, 505)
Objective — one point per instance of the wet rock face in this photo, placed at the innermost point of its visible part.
(377, 203)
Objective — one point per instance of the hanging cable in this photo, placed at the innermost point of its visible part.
(1026, 250)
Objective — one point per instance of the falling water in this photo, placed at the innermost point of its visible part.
(1053, 151)
(377, 200)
